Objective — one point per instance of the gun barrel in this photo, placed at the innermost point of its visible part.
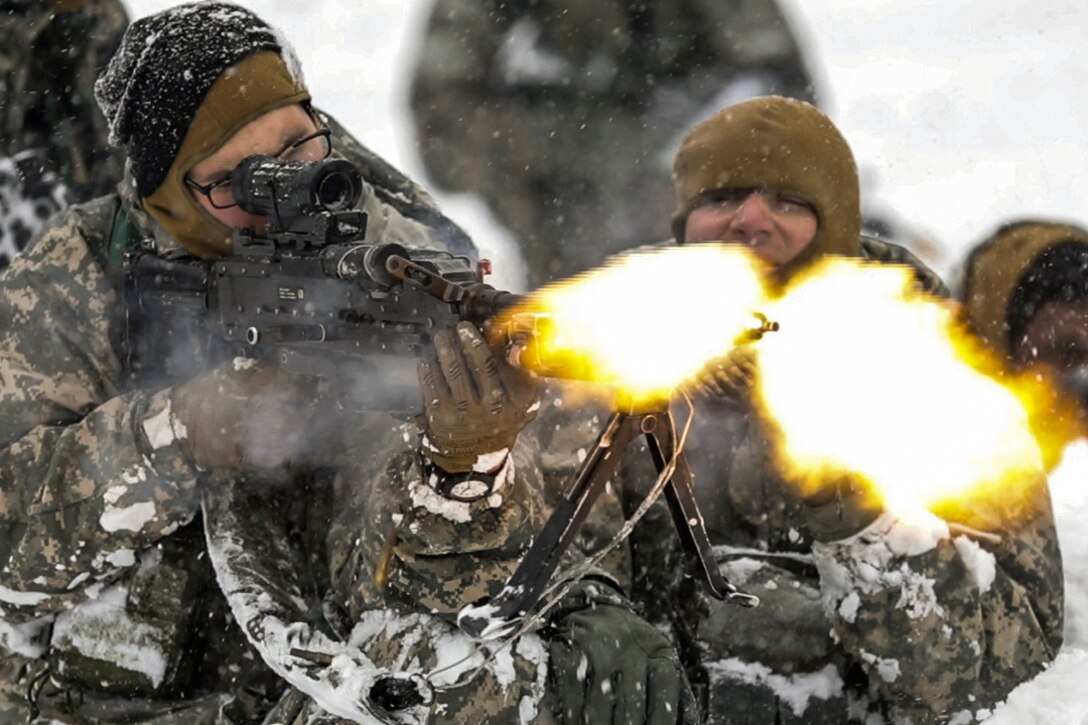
(482, 302)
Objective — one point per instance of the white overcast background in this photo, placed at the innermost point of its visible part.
(962, 114)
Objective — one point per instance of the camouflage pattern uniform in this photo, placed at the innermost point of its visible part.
(918, 640)
(853, 626)
(922, 643)
(108, 610)
(564, 115)
(396, 546)
(53, 137)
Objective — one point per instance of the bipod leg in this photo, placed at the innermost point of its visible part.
(686, 516)
(526, 585)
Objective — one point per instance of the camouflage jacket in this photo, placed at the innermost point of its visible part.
(54, 148)
(105, 589)
(858, 630)
(564, 116)
(49, 61)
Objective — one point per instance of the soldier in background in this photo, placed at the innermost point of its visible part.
(564, 116)
(839, 635)
(53, 137)
(1025, 293)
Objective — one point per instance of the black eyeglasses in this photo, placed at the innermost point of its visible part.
(315, 147)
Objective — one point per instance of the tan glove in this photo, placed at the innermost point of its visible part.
(246, 415)
(731, 377)
(474, 403)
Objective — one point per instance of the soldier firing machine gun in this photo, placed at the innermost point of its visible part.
(311, 295)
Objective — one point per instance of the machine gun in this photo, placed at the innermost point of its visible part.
(310, 294)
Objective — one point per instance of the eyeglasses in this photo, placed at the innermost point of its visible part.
(315, 147)
(780, 203)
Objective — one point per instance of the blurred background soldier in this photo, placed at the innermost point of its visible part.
(1025, 292)
(564, 116)
(53, 137)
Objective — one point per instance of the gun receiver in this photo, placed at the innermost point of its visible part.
(311, 294)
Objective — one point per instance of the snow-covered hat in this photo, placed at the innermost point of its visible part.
(163, 71)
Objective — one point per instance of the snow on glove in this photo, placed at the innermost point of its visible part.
(609, 665)
(474, 403)
(245, 415)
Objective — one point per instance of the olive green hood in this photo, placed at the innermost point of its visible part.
(779, 143)
(996, 267)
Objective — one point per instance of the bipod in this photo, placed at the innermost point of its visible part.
(527, 584)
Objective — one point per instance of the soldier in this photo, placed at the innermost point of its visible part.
(117, 428)
(563, 115)
(53, 138)
(1025, 293)
(833, 639)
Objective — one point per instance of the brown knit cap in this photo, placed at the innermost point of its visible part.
(996, 267)
(777, 143)
(257, 84)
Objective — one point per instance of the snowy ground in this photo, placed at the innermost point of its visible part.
(962, 114)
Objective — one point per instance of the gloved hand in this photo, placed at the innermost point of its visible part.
(474, 403)
(730, 377)
(609, 665)
(840, 508)
(245, 415)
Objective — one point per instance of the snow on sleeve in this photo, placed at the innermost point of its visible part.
(101, 629)
(864, 564)
(22, 599)
(29, 639)
(981, 563)
(796, 690)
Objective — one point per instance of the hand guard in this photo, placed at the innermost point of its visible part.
(245, 415)
(474, 403)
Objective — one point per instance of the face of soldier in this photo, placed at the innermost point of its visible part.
(1056, 337)
(270, 134)
(776, 225)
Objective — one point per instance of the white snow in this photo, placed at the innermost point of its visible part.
(981, 563)
(159, 429)
(848, 607)
(22, 599)
(796, 690)
(240, 364)
(739, 571)
(424, 496)
(28, 639)
(487, 462)
(127, 518)
(864, 563)
(124, 641)
(886, 669)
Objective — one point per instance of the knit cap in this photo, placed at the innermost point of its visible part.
(162, 72)
(772, 142)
